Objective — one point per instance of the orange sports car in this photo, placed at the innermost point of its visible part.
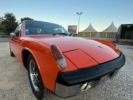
(60, 63)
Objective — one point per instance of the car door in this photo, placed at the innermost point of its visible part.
(16, 42)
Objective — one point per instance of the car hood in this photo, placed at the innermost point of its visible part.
(82, 51)
(92, 48)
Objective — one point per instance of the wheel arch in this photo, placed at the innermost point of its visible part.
(25, 53)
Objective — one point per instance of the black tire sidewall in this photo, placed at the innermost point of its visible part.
(38, 94)
(11, 53)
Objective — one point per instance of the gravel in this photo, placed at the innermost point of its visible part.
(14, 83)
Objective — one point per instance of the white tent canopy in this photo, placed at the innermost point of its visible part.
(111, 28)
(89, 29)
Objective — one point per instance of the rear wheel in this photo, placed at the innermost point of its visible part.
(35, 78)
(11, 53)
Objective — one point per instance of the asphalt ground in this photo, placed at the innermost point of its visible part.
(14, 83)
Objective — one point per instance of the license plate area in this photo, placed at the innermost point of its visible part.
(90, 84)
(86, 86)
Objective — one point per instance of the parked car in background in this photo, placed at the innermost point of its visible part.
(60, 63)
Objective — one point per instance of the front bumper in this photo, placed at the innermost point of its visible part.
(74, 79)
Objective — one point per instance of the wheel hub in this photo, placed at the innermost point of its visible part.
(34, 75)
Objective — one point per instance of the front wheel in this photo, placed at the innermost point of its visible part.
(35, 78)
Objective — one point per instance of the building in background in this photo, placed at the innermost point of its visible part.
(89, 32)
(109, 32)
(111, 28)
(125, 33)
(72, 29)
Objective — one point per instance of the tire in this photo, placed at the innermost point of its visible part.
(114, 73)
(11, 53)
(35, 78)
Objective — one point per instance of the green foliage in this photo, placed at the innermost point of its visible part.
(1, 27)
(8, 23)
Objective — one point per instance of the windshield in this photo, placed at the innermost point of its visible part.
(38, 27)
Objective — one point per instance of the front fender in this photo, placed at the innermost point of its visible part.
(106, 42)
(110, 44)
(46, 63)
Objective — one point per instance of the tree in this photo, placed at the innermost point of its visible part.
(1, 27)
(1, 19)
(26, 18)
(9, 23)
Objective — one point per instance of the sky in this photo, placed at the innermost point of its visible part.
(100, 13)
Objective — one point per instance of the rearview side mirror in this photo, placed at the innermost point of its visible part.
(12, 34)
